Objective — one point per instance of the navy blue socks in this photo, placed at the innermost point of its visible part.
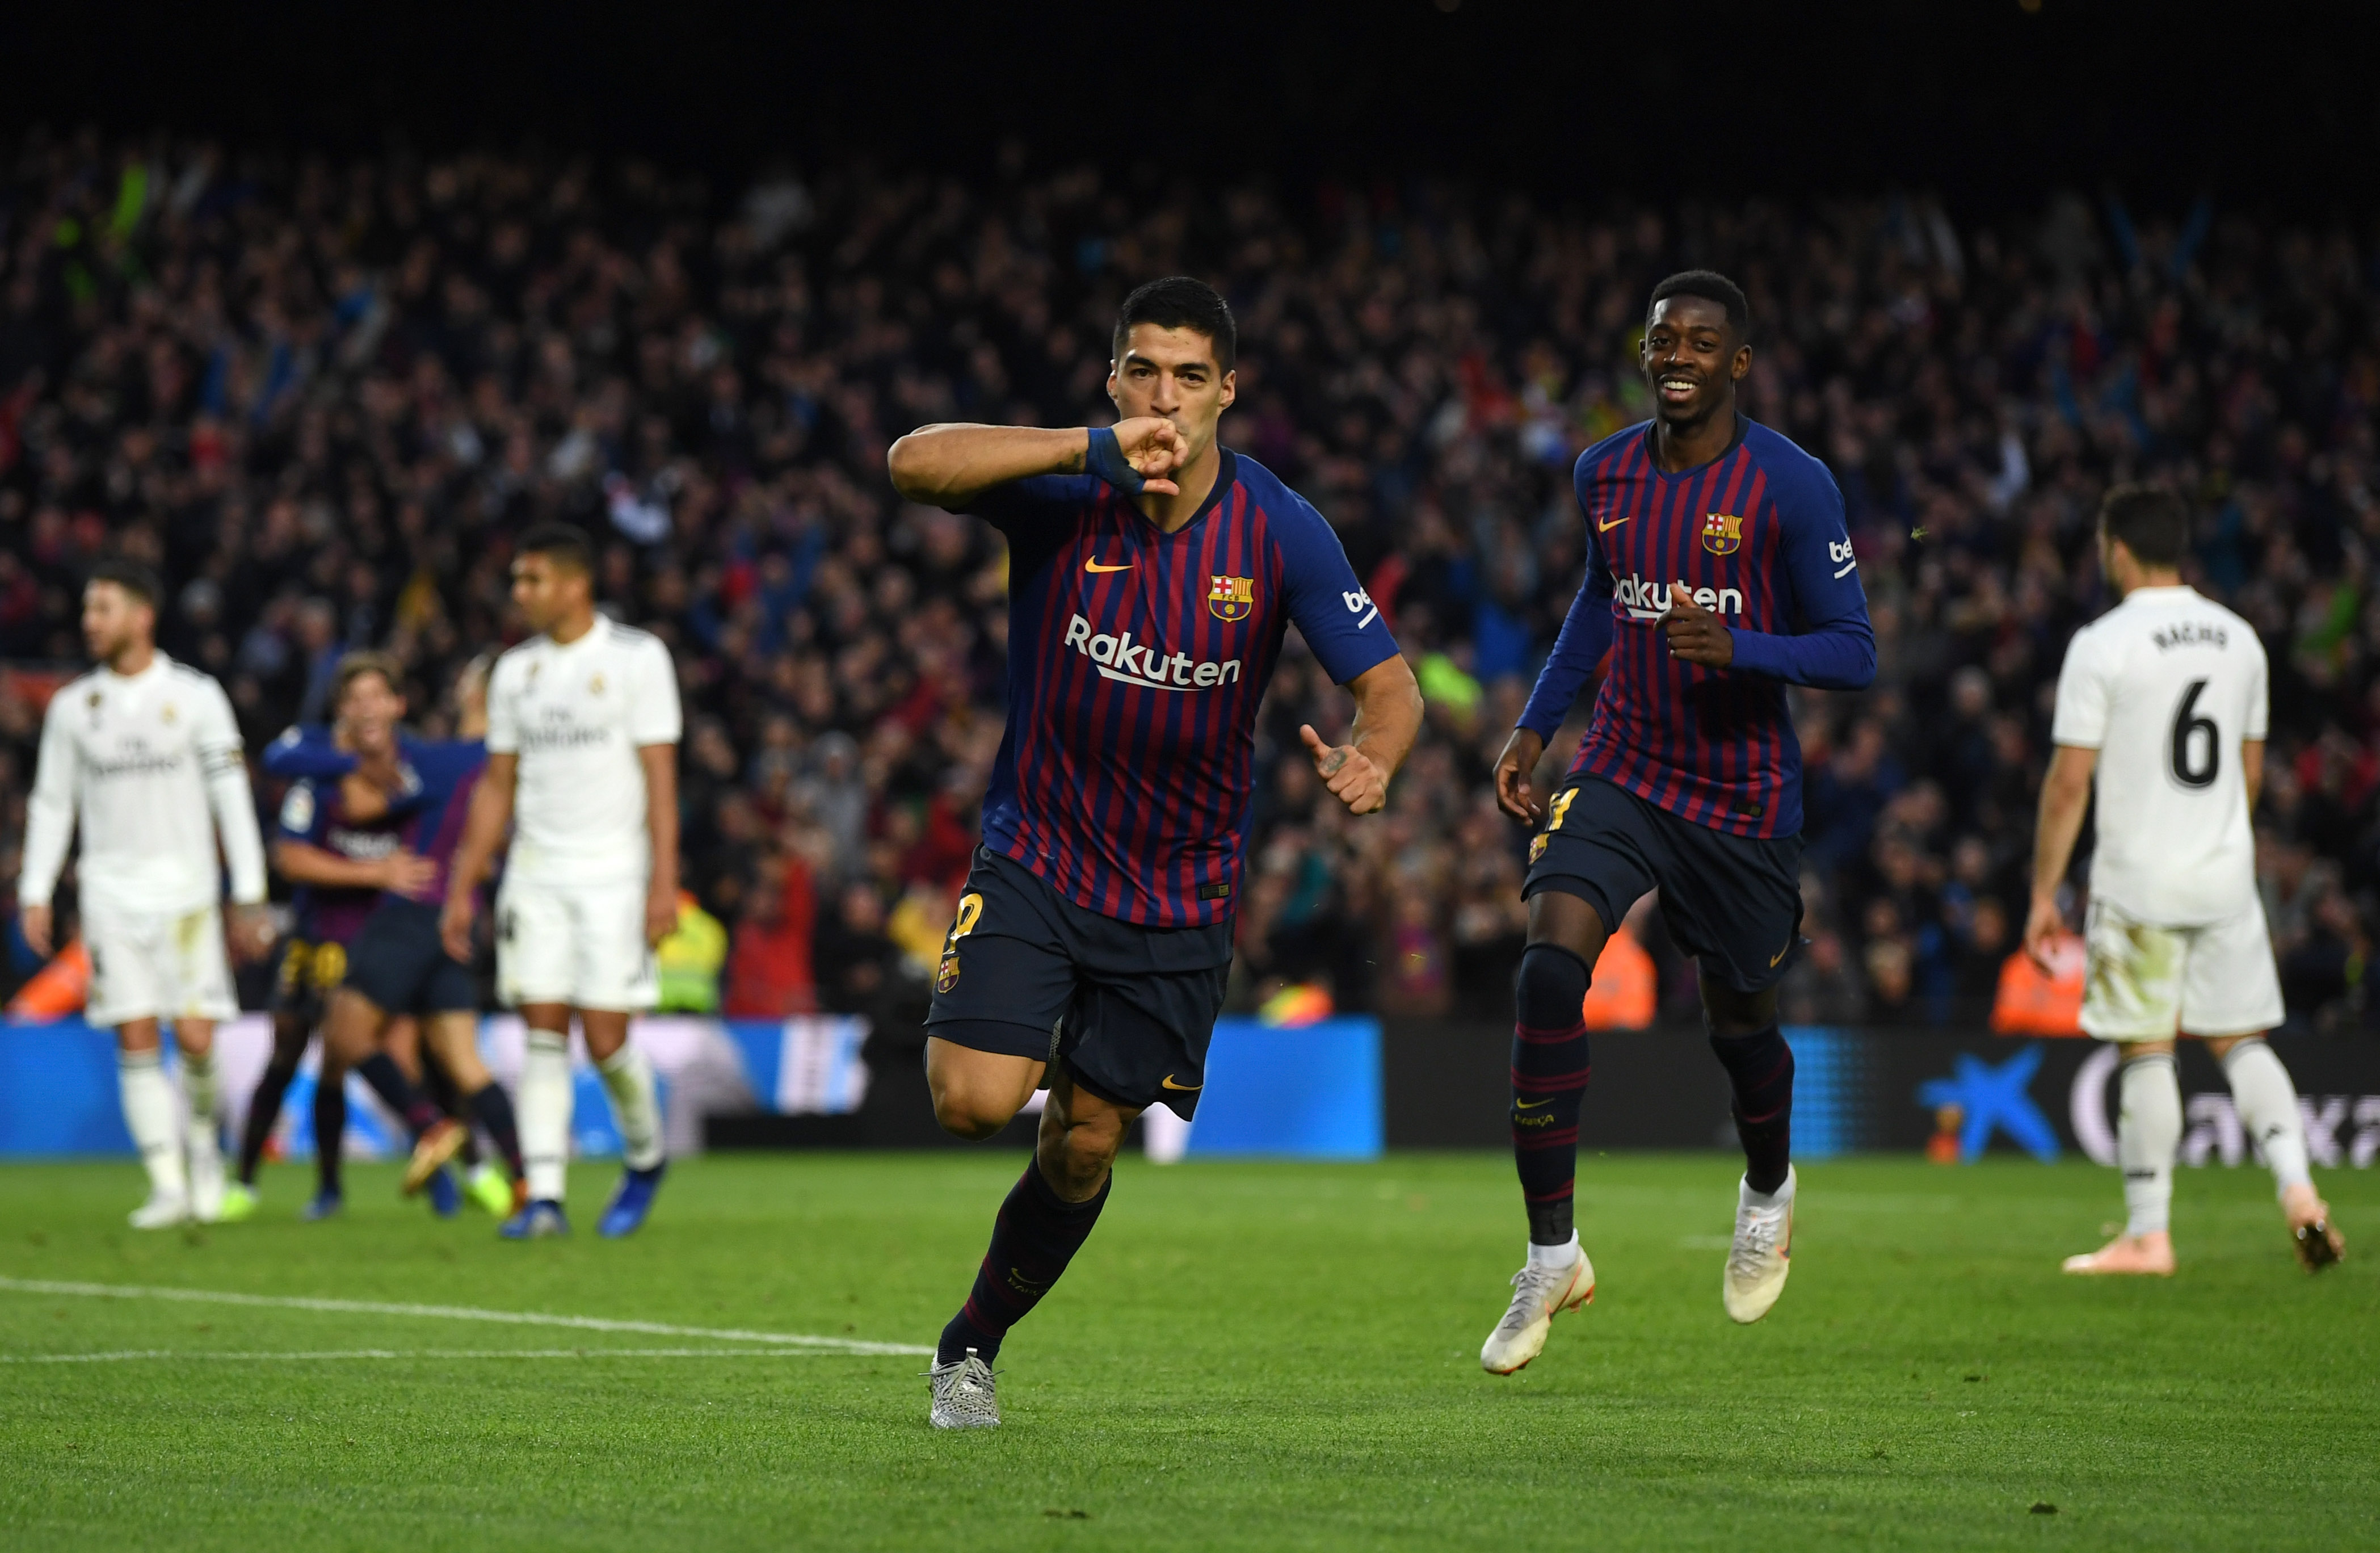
(1550, 1071)
(1760, 1066)
(1037, 1234)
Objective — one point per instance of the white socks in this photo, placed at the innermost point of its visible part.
(148, 1116)
(2148, 1131)
(1560, 1256)
(628, 1078)
(199, 1089)
(2267, 1104)
(544, 1110)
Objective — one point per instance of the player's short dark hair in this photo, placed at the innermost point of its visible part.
(2153, 522)
(1711, 287)
(1182, 302)
(565, 545)
(134, 576)
(355, 665)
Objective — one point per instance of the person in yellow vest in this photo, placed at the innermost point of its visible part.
(687, 961)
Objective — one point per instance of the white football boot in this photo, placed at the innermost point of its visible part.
(1763, 1251)
(1539, 1294)
(965, 1395)
(162, 1211)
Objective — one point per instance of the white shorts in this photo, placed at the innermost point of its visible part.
(156, 965)
(582, 945)
(2144, 983)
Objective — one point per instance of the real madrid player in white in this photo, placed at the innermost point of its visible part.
(144, 752)
(2162, 701)
(583, 725)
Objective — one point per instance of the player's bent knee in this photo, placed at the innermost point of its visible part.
(966, 1114)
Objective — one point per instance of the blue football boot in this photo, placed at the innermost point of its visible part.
(445, 1197)
(326, 1205)
(541, 1218)
(631, 1203)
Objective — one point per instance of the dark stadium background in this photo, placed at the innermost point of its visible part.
(1954, 220)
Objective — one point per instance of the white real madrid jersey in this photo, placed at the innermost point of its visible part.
(148, 765)
(575, 715)
(2166, 686)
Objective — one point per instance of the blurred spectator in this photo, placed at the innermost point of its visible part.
(322, 396)
(768, 966)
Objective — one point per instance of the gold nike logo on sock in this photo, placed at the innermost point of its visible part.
(1530, 1105)
(1167, 1082)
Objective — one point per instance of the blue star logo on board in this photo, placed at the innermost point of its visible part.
(1993, 1097)
(1722, 533)
(1231, 598)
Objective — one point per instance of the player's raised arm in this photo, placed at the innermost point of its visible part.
(950, 464)
(49, 826)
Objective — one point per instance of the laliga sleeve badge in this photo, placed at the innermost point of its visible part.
(1722, 533)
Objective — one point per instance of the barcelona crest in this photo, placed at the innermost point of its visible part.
(1722, 533)
(1231, 598)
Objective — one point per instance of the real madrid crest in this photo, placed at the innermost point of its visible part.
(595, 686)
(1231, 598)
(168, 715)
(1722, 533)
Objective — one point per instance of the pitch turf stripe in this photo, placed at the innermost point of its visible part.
(456, 1312)
(311, 1355)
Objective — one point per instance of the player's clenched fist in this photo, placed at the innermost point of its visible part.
(1696, 634)
(1353, 778)
(1513, 793)
(1145, 453)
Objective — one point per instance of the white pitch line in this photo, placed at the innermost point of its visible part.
(302, 1356)
(852, 1346)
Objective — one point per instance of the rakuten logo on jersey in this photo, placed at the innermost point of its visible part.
(1650, 601)
(1121, 658)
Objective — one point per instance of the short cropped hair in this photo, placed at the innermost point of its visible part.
(1182, 302)
(355, 665)
(131, 576)
(2153, 522)
(1711, 287)
(564, 544)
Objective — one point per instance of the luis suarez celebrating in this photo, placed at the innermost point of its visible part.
(1153, 576)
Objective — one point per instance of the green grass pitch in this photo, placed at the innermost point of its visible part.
(1246, 1355)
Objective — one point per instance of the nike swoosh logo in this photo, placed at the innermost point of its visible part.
(1094, 566)
(1779, 955)
(1602, 527)
(1529, 1105)
(1167, 1082)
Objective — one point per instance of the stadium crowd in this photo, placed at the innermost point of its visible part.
(321, 397)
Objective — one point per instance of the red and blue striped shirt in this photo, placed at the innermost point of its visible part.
(1757, 534)
(1137, 661)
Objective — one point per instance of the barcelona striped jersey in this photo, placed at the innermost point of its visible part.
(439, 776)
(1137, 660)
(1757, 535)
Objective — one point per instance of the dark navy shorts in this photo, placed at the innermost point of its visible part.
(1129, 1009)
(1733, 902)
(397, 961)
(309, 971)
